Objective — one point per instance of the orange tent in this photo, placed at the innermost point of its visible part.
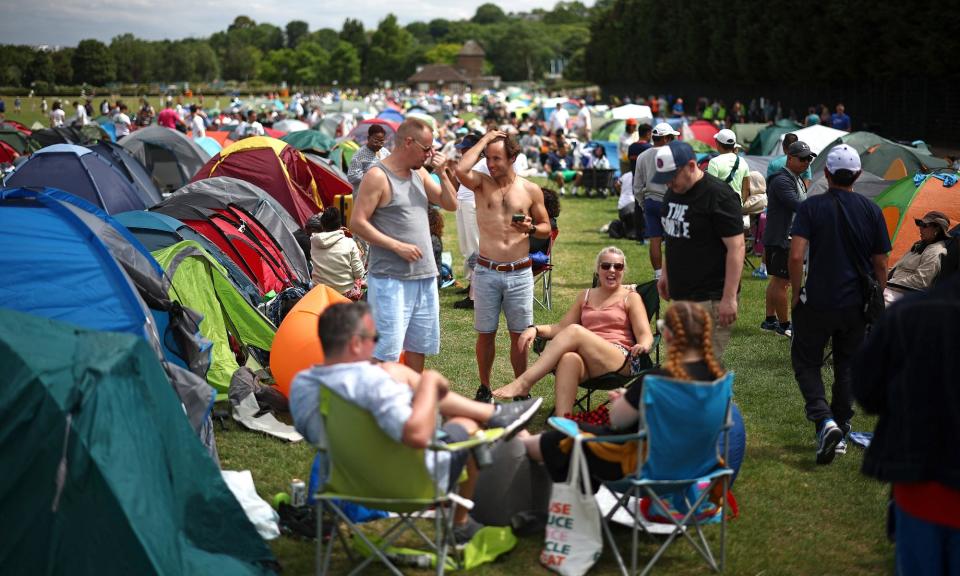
(296, 345)
(906, 201)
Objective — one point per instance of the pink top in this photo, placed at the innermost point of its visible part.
(610, 323)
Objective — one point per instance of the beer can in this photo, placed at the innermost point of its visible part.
(298, 493)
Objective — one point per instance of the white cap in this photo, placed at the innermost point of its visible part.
(663, 129)
(726, 137)
(843, 157)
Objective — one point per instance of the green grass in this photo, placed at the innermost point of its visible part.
(796, 517)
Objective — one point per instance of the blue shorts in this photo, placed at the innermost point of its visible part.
(510, 291)
(407, 315)
(651, 216)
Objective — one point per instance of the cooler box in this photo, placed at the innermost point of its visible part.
(344, 203)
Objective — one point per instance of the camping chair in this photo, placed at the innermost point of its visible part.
(679, 466)
(613, 380)
(367, 467)
(543, 275)
(597, 179)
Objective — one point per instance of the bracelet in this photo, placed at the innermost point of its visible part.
(535, 329)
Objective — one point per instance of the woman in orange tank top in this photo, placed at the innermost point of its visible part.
(603, 331)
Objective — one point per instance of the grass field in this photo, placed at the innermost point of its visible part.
(796, 517)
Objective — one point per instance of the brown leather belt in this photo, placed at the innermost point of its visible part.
(510, 267)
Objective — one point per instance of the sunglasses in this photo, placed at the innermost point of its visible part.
(367, 336)
(618, 266)
(422, 147)
(807, 159)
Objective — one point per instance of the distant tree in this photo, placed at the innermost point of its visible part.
(391, 51)
(567, 13)
(443, 53)
(241, 62)
(353, 33)
(63, 65)
(296, 30)
(311, 64)
(40, 69)
(93, 63)
(344, 65)
(326, 37)
(242, 23)
(276, 66)
(420, 31)
(439, 28)
(488, 14)
(133, 57)
(207, 66)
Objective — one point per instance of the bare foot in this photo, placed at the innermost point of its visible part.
(511, 390)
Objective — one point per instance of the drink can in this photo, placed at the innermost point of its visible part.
(298, 493)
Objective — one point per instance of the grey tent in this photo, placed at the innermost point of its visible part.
(169, 156)
(218, 193)
(869, 185)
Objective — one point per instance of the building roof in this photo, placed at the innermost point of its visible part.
(438, 72)
(471, 48)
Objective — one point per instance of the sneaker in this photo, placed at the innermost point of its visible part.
(465, 304)
(761, 274)
(463, 533)
(464, 290)
(484, 395)
(830, 435)
(771, 325)
(785, 330)
(841, 447)
(514, 416)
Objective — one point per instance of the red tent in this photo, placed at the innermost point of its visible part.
(7, 153)
(278, 168)
(331, 181)
(704, 131)
(359, 132)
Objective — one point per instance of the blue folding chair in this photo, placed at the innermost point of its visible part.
(685, 427)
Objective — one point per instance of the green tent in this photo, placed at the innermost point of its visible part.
(201, 283)
(765, 142)
(342, 154)
(747, 132)
(884, 158)
(102, 472)
(310, 140)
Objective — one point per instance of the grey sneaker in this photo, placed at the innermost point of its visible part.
(830, 435)
(841, 447)
(463, 533)
(514, 416)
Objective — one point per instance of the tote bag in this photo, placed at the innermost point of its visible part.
(573, 540)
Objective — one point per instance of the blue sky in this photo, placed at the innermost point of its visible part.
(66, 22)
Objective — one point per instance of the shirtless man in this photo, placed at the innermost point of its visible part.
(390, 212)
(509, 210)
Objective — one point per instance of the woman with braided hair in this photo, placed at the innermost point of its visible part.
(687, 329)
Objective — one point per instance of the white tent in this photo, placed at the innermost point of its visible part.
(290, 126)
(631, 111)
(817, 138)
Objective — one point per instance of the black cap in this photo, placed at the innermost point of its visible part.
(800, 150)
(469, 141)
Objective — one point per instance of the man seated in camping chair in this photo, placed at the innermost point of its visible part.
(605, 331)
(403, 402)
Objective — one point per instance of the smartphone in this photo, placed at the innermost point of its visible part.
(518, 217)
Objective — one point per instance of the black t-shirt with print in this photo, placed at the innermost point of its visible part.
(694, 225)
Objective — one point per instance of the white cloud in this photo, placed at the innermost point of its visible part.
(66, 22)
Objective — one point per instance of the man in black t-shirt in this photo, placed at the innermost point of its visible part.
(703, 235)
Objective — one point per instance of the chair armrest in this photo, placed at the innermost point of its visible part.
(480, 437)
(571, 429)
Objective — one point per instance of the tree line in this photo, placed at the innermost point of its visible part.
(518, 47)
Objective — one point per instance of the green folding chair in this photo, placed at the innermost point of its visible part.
(367, 467)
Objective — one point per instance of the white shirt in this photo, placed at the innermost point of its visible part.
(197, 126)
(121, 123)
(626, 191)
(255, 129)
(559, 120)
(584, 119)
(57, 118)
(81, 115)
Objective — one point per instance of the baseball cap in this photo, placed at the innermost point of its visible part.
(664, 129)
(469, 141)
(934, 217)
(631, 121)
(671, 158)
(802, 150)
(841, 157)
(726, 137)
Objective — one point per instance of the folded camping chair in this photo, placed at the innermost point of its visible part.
(367, 467)
(599, 179)
(613, 380)
(543, 275)
(685, 426)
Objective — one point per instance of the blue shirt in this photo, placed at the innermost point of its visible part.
(832, 278)
(840, 121)
(558, 163)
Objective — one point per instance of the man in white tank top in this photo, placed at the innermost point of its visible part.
(390, 213)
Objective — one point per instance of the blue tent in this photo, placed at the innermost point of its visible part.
(64, 259)
(130, 167)
(83, 173)
(157, 231)
(391, 115)
(209, 145)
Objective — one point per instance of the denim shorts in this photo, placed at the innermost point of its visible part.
(407, 315)
(651, 217)
(510, 291)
